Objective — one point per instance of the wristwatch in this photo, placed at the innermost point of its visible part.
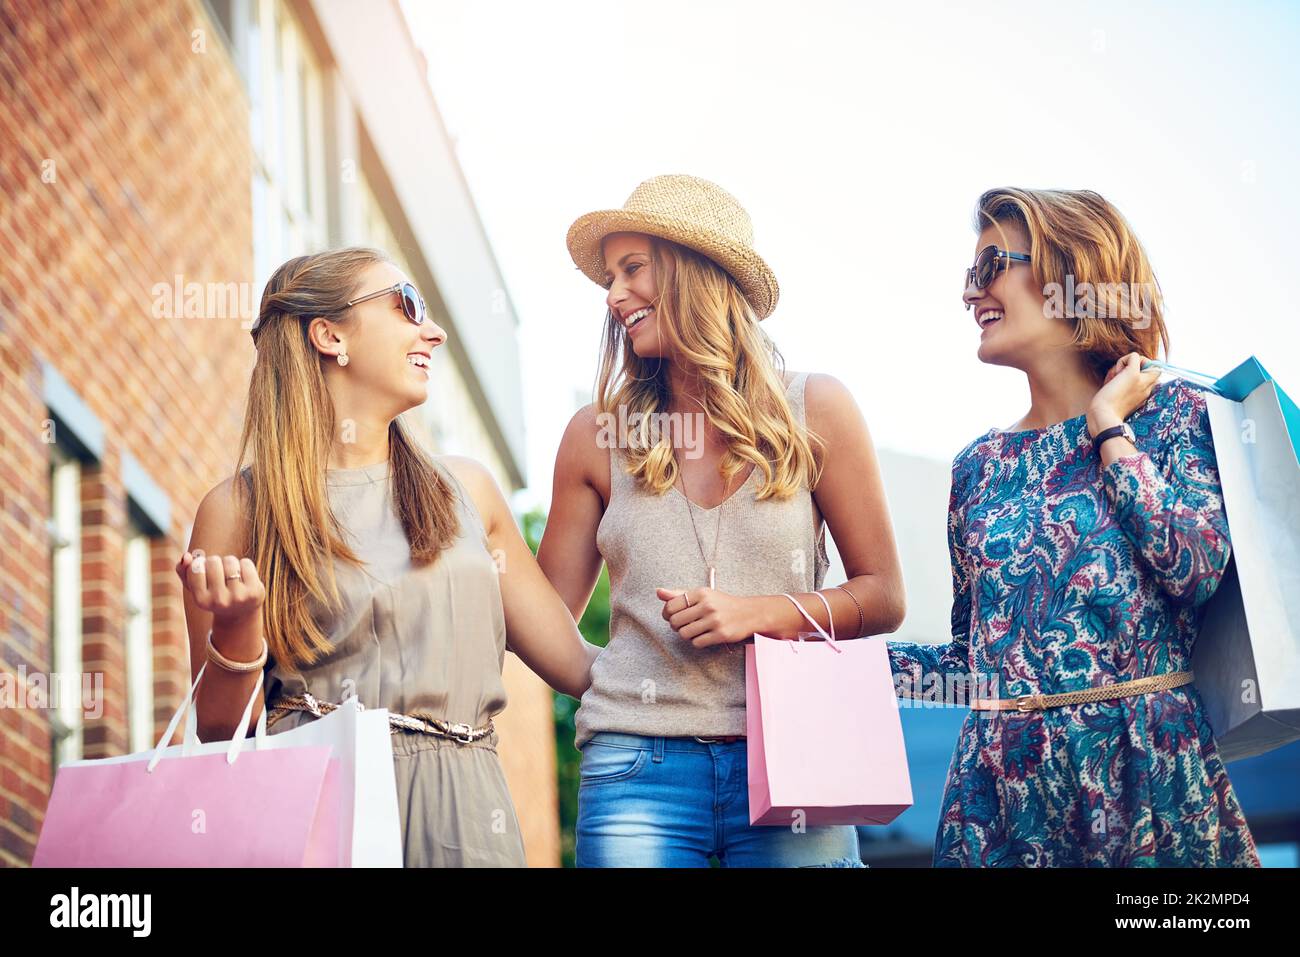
(1123, 429)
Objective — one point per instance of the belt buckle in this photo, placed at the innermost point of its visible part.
(1023, 702)
(461, 732)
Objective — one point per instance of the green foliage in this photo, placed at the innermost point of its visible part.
(595, 628)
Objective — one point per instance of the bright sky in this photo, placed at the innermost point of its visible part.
(858, 137)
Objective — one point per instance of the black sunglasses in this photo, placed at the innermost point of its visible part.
(412, 302)
(988, 264)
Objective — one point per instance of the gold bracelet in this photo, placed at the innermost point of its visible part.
(238, 667)
(861, 619)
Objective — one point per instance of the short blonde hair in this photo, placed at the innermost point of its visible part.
(1085, 255)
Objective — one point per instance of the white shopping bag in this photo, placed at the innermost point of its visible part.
(1247, 657)
(329, 798)
(369, 789)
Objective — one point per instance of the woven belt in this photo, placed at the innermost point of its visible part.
(1122, 689)
(396, 722)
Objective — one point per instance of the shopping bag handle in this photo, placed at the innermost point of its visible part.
(191, 738)
(830, 639)
(1207, 382)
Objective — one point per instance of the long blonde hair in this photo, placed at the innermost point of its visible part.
(290, 423)
(706, 322)
(1078, 234)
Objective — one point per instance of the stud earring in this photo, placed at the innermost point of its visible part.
(343, 358)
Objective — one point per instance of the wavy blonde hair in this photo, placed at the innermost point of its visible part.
(289, 423)
(1078, 233)
(707, 323)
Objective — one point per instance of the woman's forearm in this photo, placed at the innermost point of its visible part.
(882, 610)
(222, 694)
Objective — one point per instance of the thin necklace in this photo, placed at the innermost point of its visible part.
(710, 563)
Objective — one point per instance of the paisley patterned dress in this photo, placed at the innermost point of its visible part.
(1067, 574)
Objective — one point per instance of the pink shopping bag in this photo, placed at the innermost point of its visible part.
(825, 741)
(200, 805)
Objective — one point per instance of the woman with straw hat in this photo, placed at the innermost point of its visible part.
(348, 562)
(704, 476)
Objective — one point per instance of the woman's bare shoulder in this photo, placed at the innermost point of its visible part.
(584, 448)
(479, 483)
(828, 401)
(222, 521)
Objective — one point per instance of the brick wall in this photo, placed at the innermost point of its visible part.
(125, 162)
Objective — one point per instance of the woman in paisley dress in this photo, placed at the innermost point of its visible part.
(1077, 565)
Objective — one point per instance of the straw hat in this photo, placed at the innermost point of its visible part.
(689, 211)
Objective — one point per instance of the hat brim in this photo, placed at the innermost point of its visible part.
(754, 277)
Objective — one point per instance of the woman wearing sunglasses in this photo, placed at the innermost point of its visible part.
(707, 521)
(1085, 541)
(346, 561)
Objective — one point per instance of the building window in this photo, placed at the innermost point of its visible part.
(452, 420)
(283, 77)
(139, 641)
(376, 231)
(64, 527)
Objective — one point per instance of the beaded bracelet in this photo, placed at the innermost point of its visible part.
(861, 619)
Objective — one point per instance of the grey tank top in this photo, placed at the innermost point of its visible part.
(648, 680)
(427, 641)
(424, 641)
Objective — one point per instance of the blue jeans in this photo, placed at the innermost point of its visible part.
(674, 802)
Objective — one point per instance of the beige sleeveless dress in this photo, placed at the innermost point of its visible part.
(425, 641)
